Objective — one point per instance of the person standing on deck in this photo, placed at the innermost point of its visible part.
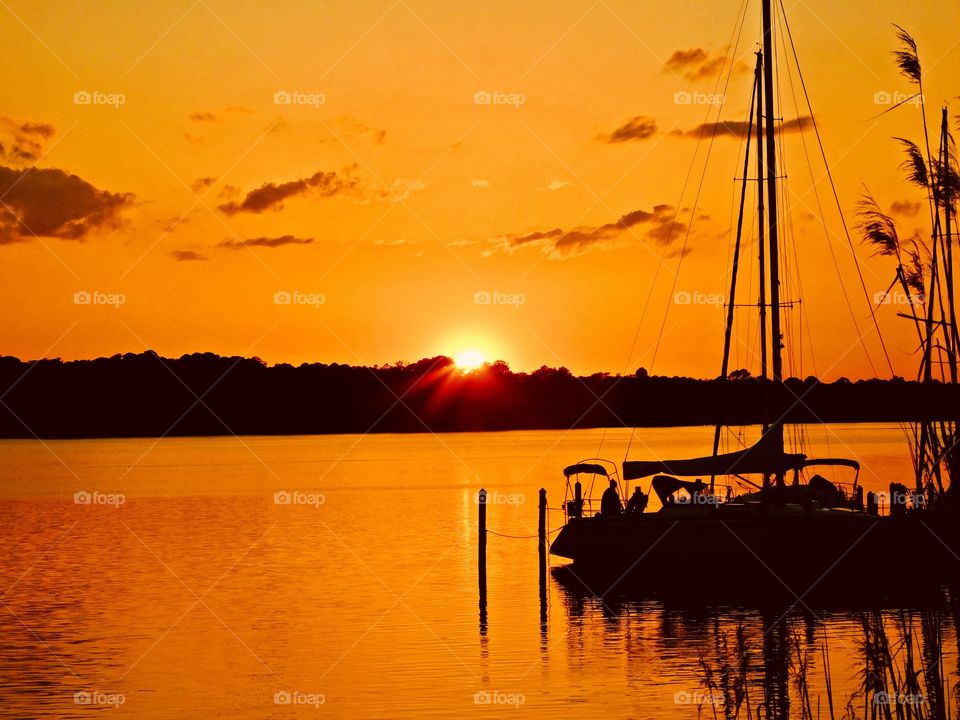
(610, 500)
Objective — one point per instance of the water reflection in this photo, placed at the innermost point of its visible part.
(891, 656)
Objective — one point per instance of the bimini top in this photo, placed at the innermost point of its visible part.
(585, 468)
(757, 459)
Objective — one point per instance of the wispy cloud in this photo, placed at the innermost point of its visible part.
(737, 128)
(658, 225)
(697, 64)
(264, 242)
(187, 255)
(640, 127)
(905, 208)
(270, 196)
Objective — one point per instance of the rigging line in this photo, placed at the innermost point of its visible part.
(522, 537)
(696, 199)
(736, 33)
(843, 222)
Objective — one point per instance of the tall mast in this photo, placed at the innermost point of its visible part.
(761, 240)
(774, 259)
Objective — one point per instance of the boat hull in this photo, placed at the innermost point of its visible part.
(794, 552)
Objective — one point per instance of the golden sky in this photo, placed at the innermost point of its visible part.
(422, 178)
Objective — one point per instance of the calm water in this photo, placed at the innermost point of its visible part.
(199, 596)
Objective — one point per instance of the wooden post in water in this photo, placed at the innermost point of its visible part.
(542, 547)
(542, 529)
(482, 557)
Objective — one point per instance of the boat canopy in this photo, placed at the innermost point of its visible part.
(585, 468)
(760, 458)
(833, 461)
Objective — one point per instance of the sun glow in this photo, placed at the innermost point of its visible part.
(469, 360)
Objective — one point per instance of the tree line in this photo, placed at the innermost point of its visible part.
(146, 395)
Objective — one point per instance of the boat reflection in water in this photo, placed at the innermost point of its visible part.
(892, 655)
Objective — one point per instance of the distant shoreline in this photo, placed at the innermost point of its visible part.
(205, 395)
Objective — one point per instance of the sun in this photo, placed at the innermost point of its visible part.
(469, 360)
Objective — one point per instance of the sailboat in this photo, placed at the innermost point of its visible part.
(794, 524)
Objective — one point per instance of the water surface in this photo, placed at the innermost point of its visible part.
(188, 588)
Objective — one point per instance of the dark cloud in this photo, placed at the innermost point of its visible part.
(215, 116)
(23, 142)
(203, 116)
(906, 208)
(270, 196)
(637, 128)
(659, 225)
(266, 242)
(187, 255)
(737, 128)
(697, 64)
(202, 183)
(53, 203)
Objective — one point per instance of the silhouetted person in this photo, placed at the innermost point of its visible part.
(858, 498)
(898, 499)
(873, 507)
(637, 503)
(695, 496)
(610, 500)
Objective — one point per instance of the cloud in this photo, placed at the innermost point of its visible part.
(187, 255)
(698, 64)
(557, 184)
(270, 196)
(23, 142)
(737, 128)
(479, 183)
(394, 242)
(399, 189)
(264, 242)
(53, 203)
(694, 64)
(907, 208)
(637, 128)
(216, 116)
(202, 183)
(659, 225)
(349, 127)
(172, 224)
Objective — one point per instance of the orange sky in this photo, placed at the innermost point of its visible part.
(390, 194)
